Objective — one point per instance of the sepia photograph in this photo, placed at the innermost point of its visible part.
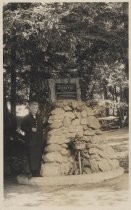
(65, 105)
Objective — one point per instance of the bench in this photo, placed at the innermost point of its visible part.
(110, 122)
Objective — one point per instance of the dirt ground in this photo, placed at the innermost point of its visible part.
(111, 193)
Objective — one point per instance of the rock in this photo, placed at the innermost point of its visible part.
(91, 145)
(58, 111)
(104, 165)
(72, 129)
(55, 117)
(84, 114)
(113, 163)
(53, 157)
(94, 165)
(64, 151)
(76, 122)
(56, 140)
(53, 148)
(95, 156)
(71, 159)
(65, 159)
(94, 151)
(70, 115)
(65, 168)
(66, 122)
(64, 145)
(98, 132)
(84, 127)
(51, 169)
(77, 114)
(87, 138)
(87, 170)
(93, 122)
(107, 152)
(89, 133)
(70, 135)
(89, 111)
(74, 104)
(79, 130)
(83, 121)
(56, 124)
(56, 132)
(67, 108)
(96, 139)
(69, 153)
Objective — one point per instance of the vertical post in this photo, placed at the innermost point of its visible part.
(79, 158)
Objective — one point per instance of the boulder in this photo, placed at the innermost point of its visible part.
(65, 168)
(84, 114)
(98, 132)
(56, 124)
(56, 140)
(56, 132)
(94, 165)
(70, 135)
(104, 165)
(53, 148)
(72, 129)
(76, 122)
(55, 117)
(65, 159)
(53, 157)
(67, 108)
(84, 127)
(71, 159)
(93, 122)
(107, 152)
(77, 114)
(66, 122)
(79, 130)
(58, 111)
(95, 156)
(87, 170)
(94, 151)
(83, 121)
(89, 111)
(64, 151)
(89, 133)
(91, 145)
(96, 139)
(87, 138)
(51, 169)
(70, 115)
(74, 104)
(113, 163)
(64, 145)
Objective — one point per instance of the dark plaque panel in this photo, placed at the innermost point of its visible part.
(65, 91)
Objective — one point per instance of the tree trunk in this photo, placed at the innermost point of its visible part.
(105, 91)
(115, 92)
(13, 82)
(121, 93)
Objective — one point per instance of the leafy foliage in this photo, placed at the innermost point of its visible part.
(89, 40)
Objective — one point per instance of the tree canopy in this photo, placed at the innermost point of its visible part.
(89, 40)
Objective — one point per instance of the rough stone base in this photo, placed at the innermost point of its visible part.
(70, 180)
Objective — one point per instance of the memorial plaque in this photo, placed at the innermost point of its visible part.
(65, 91)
